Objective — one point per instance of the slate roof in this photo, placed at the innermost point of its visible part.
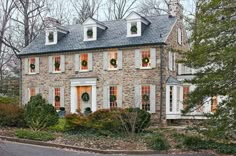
(172, 81)
(113, 36)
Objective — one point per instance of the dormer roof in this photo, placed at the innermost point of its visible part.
(91, 22)
(133, 16)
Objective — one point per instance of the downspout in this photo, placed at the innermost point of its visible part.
(20, 82)
(161, 79)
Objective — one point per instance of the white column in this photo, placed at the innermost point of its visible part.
(174, 99)
(167, 99)
(73, 99)
(94, 98)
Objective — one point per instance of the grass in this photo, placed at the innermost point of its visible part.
(35, 135)
(60, 127)
(9, 100)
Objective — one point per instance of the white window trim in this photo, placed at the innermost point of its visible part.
(94, 28)
(141, 59)
(117, 62)
(139, 28)
(55, 36)
(174, 100)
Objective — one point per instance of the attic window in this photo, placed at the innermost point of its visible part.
(134, 28)
(90, 33)
(50, 37)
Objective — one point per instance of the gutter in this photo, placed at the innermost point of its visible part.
(161, 81)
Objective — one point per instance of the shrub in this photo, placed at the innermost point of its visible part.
(157, 142)
(76, 122)
(9, 100)
(40, 136)
(59, 127)
(11, 115)
(39, 114)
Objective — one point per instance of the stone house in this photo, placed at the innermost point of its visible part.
(121, 63)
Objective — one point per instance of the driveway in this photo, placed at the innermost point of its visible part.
(19, 149)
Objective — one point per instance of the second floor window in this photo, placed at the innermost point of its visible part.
(113, 97)
(146, 98)
(57, 64)
(145, 58)
(113, 63)
(32, 65)
(83, 62)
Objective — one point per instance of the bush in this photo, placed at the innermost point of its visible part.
(76, 122)
(158, 142)
(59, 127)
(32, 135)
(39, 114)
(9, 100)
(11, 115)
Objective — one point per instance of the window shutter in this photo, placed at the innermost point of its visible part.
(26, 66)
(119, 99)
(50, 95)
(153, 98)
(36, 90)
(105, 60)
(62, 63)
(137, 97)
(37, 65)
(170, 60)
(119, 59)
(62, 97)
(105, 97)
(90, 61)
(173, 62)
(26, 100)
(137, 58)
(153, 57)
(179, 36)
(50, 64)
(77, 62)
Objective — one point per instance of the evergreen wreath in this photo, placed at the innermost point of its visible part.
(50, 36)
(57, 64)
(113, 62)
(32, 66)
(90, 33)
(145, 97)
(84, 63)
(134, 29)
(57, 98)
(145, 60)
(112, 98)
(85, 97)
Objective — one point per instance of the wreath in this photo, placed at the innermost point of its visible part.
(112, 98)
(134, 29)
(57, 64)
(32, 66)
(145, 97)
(85, 97)
(57, 98)
(145, 60)
(84, 63)
(113, 62)
(90, 33)
(50, 37)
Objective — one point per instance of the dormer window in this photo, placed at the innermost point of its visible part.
(50, 37)
(92, 28)
(135, 24)
(54, 34)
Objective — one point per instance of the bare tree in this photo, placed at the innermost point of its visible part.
(118, 9)
(86, 8)
(153, 7)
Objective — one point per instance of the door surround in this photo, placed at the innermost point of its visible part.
(74, 83)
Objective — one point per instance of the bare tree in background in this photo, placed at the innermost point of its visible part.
(85, 8)
(153, 7)
(118, 9)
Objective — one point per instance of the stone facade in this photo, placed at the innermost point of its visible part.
(128, 76)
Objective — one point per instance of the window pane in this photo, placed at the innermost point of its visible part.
(113, 97)
(32, 65)
(84, 62)
(57, 63)
(32, 92)
(146, 98)
(113, 64)
(57, 98)
(145, 58)
(171, 98)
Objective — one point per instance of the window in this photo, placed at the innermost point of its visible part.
(57, 64)
(179, 36)
(57, 98)
(171, 61)
(213, 104)
(50, 37)
(89, 33)
(145, 98)
(83, 62)
(178, 99)
(145, 58)
(185, 94)
(171, 98)
(134, 28)
(113, 96)
(32, 65)
(113, 64)
(31, 92)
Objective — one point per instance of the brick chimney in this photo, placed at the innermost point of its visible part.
(51, 22)
(176, 9)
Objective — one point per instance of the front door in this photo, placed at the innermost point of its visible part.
(84, 96)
